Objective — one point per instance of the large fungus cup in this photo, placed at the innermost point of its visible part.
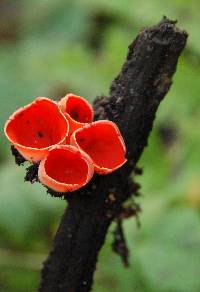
(77, 110)
(65, 169)
(103, 142)
(35, 128)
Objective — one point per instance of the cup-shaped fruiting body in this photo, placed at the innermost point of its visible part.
(35, 128)
(65, 169)
(103, 142)
(77, 110)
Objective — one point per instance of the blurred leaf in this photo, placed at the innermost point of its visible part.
(25, 209)
(18, 280)
(170, 255)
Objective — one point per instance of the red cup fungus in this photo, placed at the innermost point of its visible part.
(35, 128)
(77, 110)
(41, 131)
(103, 142)
(65, 169)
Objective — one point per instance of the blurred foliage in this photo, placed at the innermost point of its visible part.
(49, 48)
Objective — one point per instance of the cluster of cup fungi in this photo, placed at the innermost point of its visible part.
(65, 141)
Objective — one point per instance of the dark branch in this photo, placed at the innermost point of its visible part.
(134, 98)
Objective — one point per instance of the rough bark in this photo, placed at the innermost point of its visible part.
(135, 95)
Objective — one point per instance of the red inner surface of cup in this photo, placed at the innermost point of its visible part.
(101, 142)
(66, 166)
(38, 126)
(78, 109)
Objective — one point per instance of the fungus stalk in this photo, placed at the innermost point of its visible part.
(135, 95)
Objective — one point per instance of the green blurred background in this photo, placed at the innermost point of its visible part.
(49, 48)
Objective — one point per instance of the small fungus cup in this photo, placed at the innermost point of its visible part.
(77, 110)
(65, 169)
(103, 142)
(35, 128)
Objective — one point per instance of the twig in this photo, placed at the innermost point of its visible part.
(135, 95)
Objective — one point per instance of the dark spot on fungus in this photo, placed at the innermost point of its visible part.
(81, 139)
(40, 134)
(75, 116)
(27, 122)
